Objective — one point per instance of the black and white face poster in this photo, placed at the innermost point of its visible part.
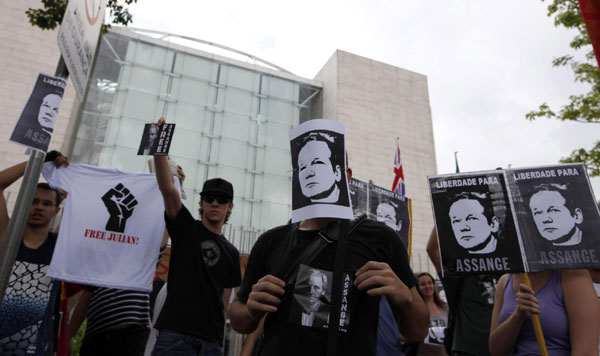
(156, 140)
(312, 299)
(319, 183)
(358, 196)
(474, 223)
(34, 127)
(557, 216)
(391, 209)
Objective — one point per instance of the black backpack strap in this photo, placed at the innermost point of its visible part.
(336, 289)
(328, 234)
(309, 253)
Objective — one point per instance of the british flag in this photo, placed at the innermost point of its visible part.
(398, 185)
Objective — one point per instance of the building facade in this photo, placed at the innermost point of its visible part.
(232, 117)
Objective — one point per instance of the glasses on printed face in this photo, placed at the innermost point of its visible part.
(221, 199)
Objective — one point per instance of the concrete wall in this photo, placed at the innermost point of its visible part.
(26, 51)
(379, 102)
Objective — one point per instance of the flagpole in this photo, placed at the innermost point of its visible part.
(456, 161)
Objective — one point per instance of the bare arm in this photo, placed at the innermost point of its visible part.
(250, 342)
(79, 313)
(166, 185)
(8, 177)
(583, 311)
(504, 336)
(165, 238)
(225, 298)
(433, 250)
(264, 298)
(411, 313)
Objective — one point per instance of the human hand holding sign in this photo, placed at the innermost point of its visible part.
(265, 296)
(527, 304)
(120, 203)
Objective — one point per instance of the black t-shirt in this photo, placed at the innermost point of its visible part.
(202, 264)
(474, 298)
(284, 330)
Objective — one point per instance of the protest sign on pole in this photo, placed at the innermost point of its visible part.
(391, 209)
(474, 222)
(557, 216)
(547, 215)
(359, 196)
(384, 206)
(36, 123)
(78, 37)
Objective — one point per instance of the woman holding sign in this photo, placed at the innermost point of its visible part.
(568, 310)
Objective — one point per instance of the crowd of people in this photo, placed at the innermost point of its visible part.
(321, 286)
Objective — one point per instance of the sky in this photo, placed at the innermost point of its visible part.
(487, 63)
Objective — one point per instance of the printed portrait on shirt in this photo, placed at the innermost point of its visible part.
(319, 181)
(311, 303)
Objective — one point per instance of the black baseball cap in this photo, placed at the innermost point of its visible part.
(218, 185)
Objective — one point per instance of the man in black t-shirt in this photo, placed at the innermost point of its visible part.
(203, 268)
(376, 265)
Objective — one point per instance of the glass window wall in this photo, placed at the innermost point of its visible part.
(232, 122)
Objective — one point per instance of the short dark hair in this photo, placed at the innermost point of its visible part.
(561, 189)
(322, 137)
(46, 186)
(483, 198)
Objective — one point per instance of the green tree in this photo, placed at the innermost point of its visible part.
(584, 108)
(51, 15)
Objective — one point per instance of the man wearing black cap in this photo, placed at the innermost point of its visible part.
(203, 268)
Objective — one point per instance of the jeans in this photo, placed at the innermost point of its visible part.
(128, 341)
(173, 343)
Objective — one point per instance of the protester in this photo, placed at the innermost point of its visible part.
(438, 317)
(376, 265)
(567, 307)
(28, 315)
(203, 268)
(470, 300)
(117, 319)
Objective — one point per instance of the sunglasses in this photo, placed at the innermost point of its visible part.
(221, 199)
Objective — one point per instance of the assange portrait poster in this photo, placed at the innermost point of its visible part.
(319, 182)
(557, 216)
(358, 197)
(36, 123)
(156, 140)
(391, 209)
(474, 223)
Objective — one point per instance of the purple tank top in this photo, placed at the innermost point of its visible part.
(554, 320)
